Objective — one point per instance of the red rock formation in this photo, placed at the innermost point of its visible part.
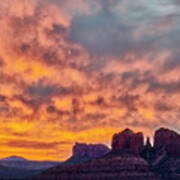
(169, 140)
(91, 150)
(121, 141)
(163, 137)
(128, 141)
(83, 152)
(136, 144)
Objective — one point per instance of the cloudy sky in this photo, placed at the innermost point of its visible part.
(81, 70)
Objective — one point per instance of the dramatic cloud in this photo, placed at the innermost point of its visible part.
(82, 70)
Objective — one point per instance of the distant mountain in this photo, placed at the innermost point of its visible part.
(20, 162)
(13, 158)
(15, 167)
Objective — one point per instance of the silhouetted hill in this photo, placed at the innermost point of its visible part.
(22, 163)
(15, 167)
(13, 158)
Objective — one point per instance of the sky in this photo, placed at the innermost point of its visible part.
(81, 70)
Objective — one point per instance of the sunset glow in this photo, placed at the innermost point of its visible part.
(79, 71)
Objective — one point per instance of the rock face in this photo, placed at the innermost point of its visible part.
(163, 137)
(91, 150)
(169, 140)
(173, 148)
(128, 141)
(167, 153)
(83, 152)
